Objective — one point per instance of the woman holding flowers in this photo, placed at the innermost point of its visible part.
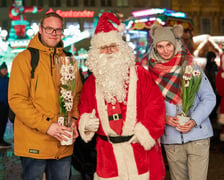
(188, 94)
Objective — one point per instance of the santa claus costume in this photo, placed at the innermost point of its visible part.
(129, 106)
(220, 90)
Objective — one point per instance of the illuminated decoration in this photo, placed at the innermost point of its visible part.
(144, 19)
(138, 28)
(68, 40)
(76, 38)
(76, 14)
(3, 47)
(3, 33)
(19, 24)
(161, 20)
(19, 43)
(82, 53)
(82, 56)
(73, 14)
(21, 32)
(147, 12)
(8, 50)
(154, 11)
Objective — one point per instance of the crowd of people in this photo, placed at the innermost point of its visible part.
(131, 111)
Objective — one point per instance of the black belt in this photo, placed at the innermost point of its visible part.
(115, 139)
(115, 117)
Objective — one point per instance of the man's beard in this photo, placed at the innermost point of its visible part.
(112, 75)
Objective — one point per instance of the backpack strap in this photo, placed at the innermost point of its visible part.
(34, 59)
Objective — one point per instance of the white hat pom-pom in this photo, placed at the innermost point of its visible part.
(222, 75)
(121, 27)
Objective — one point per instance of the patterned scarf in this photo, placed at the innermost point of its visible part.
(167, 75)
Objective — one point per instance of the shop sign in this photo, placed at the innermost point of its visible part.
(75, 14)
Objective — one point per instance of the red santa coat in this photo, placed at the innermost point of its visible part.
(144, 117)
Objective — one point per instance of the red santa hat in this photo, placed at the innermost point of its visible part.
(106, 32)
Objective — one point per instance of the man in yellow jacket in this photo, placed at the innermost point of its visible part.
(37, 134)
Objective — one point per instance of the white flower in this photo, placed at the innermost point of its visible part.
(188, 73)
(66, 94)
(186, 84)
(196, 73)
(63, 81)
(68, 106)
(63, 69)
(67, 73)
(70, 69)
(189, 69)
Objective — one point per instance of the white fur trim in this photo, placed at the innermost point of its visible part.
(102, 110)
(133, 177)
(221, 137)
(102, 38)
(144, 137)
(222, 75)
(125, 158)
(121, 27)
(131, 114)
(85, 135)
(221, 118)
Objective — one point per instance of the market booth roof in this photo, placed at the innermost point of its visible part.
(144, 19)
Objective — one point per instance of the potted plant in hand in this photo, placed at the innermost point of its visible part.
(65, 68)
(190, 82)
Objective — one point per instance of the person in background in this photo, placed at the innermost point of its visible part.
(220, 90)
(123, 106)
(4, 106)
(186, 145)
(37, 134)
(211, 70)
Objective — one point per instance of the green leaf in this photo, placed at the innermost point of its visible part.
(188, 93)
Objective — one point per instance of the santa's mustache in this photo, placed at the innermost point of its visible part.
(109, 56)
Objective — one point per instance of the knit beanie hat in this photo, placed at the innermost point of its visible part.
(3, 66)
(108, 30)
(159, 33)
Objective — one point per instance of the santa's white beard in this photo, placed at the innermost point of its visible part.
(112, 74)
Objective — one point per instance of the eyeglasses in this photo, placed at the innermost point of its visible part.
(111, 47)
(50, 30)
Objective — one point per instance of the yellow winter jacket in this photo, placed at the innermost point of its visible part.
(35, 103)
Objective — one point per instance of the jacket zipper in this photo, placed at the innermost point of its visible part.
(52, 60)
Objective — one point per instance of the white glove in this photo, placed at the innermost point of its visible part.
(93, 123)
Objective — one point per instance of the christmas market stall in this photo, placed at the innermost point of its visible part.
(139, 24)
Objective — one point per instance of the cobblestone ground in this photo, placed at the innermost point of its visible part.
(10, 168)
